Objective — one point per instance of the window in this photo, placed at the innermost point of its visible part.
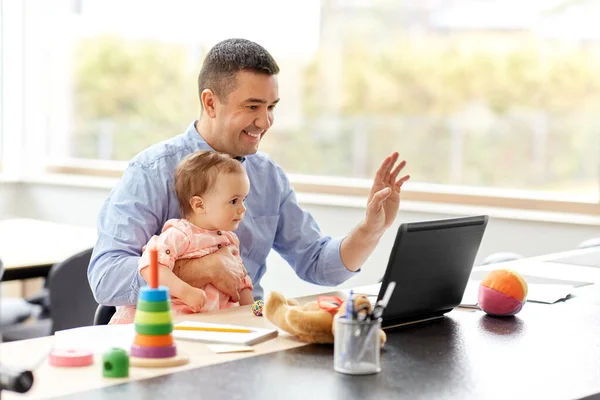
(11, 88)
(499, 95)
(1, 84)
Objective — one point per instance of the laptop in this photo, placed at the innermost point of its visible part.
(430, 262)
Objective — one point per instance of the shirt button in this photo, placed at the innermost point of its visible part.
(168, 251)
(219, 233)
(219, 246)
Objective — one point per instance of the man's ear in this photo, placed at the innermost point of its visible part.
(197, 204)
(209, 99)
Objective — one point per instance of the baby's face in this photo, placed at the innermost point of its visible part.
(225, 202)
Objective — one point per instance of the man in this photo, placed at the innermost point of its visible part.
(238, 94)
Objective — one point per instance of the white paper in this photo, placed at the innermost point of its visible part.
(96, 339)
(257, 335)
(229, 348)
(548, 293)
(551, 270)
(470, 296)
(537, 293)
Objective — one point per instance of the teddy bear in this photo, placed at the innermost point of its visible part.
(312, 322)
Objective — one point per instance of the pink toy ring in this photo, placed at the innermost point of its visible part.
(71, 358)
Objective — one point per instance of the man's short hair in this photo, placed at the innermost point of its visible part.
(197, 173)
(229, 57)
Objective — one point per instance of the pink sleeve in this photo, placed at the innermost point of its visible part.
(233, 238)
(171, 244)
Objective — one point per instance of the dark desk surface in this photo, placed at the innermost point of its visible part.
(546, 352)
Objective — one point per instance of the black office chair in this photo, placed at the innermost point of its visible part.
(104, 314)
(72, 303)
(593, 242)
(502, 256)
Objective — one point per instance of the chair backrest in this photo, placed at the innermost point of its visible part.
(104, 314)
(72, 303)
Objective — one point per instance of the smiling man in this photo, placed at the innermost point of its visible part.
(238, 91)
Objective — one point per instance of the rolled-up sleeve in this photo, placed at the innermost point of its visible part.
(316, 258)
(170, 245)
(130, 216)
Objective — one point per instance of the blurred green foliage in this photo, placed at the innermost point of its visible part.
(495, 110)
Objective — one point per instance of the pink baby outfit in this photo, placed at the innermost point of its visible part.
(181, 239)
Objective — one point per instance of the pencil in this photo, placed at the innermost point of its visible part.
(211, 329)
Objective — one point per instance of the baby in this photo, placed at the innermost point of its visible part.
(211, 188)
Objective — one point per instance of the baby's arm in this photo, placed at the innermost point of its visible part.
(193, 297)
(246, 297)
(171, 244)
(246, 291)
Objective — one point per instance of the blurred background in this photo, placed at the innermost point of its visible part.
(494, 104)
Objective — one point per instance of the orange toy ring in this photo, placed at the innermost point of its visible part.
(153, 341)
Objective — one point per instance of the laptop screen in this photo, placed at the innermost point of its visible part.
(430, 262)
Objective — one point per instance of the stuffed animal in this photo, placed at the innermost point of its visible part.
(314, 321)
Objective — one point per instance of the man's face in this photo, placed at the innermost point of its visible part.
(244, 116)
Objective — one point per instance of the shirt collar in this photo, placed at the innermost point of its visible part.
(198, 141)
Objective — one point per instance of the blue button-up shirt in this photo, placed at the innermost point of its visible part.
(144, 200)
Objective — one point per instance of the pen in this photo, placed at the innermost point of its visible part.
(367, 342)
(211, 329)
(382, 304)
(350, 306)
(375, 314)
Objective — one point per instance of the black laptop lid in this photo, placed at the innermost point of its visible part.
(431, 262)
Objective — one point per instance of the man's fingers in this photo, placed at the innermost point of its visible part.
(384, 168)
(379, 198)
(396, 171)
(383, 194)
(235, 296)
(393, 159)
(233, 292)
(234, 250)
(401, 181)
(381, 171)
(243, 271)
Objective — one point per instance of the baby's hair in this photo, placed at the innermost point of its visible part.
(197, 173)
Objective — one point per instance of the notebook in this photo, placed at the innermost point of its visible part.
(256, 335)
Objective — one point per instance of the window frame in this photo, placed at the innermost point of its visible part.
(12, 89)
(414, 191)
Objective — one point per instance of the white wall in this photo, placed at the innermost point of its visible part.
(79, 206)
(8, 199)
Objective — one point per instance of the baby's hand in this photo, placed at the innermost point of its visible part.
(195, 298)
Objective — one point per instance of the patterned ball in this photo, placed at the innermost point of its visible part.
(257, 308)
(502, 293)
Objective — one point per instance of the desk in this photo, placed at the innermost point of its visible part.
(546, 351)
(29, 247)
